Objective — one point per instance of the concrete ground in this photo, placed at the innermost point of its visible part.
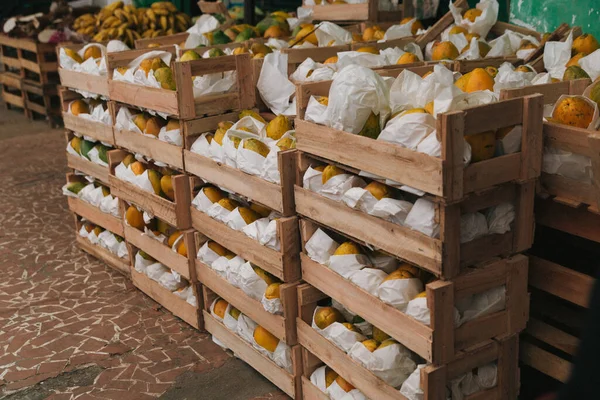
(70, 327)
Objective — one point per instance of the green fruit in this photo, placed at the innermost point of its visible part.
(215, 52)
(86, 146)
(575, 72)
(244, 35)
(119, 238)
(165, 77)
(220, 18)
(154, 177)
(75, 187)
(102, 150)
(371, 128)
(145, 255)
(296, 30)
(219, 37)
(189, 56)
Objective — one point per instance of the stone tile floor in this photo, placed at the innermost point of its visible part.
(70, 327)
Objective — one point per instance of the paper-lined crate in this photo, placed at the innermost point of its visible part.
(444, 255)
(36, 61)
(441, 341)
(90, 212)
(318, 352)
(181, 102)
(176, 213)
(282, 325)
(284, 380)
(168, 40)
(577, 141)
(283, 264)
(446, 176)
(97, 84)
(279, 197)
(119, 264)
(95, 129)
(82, 164)
(152, 147)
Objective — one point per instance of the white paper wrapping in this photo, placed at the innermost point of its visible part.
(230, 322)
(398, 292)
(252, 284)
(337, 185)
(183, 292)
(317, 378)
(338, 334)
(567, 164)
(273, 84)
(126, 174)
(328, 32)
(315, 111)
(368, 279)
(417, 308)
(140, 263)
(408, 130)
(92, 237)
(411, 388)
(482, 23)
(591, 64)
(169, 281)
(155, 271)
(500, 217)
(221, 266)
(359, 199)
(472, 226)
(115, 46)
(387, 264)
(312, 180)
(511, 143)
(233, 271)
(509, 78)
(249, 161)
(274, 306)
(348, 264)
(108, 240)
(206, 254)
(557, 55)
(421, 218)
(218, 212)
(282, 356)
(110, 205)
(220, 82)
(245, 328)
(399, 31)
(320, 247)
(392, 210)
(481, 304)
(204, 24)
(393, 364)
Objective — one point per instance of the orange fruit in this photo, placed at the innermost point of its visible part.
(407, 58)
(471, 14)
(573, 111)
(444, 51)
(585, 44)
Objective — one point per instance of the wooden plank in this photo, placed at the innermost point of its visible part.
(524, 223)
(485, 118)
(353, 372)
(177, 306)
(311, 392)
(340, 12)
(576, 221)
(567, 138)
(508, 367)
(480, 329)
(479, 280)
(481, 249)
(13, 99)
(574, 191)
(87, 167)
(277, 375)
(451, 127)
(517, 296)
(408, 331)
(440, 301)
(244, 246)
(545, 362)
(159, 251)
(403, 242)
(88, 82)
(276, 324)
(381, 158)
(142, 96)
(11, 79)
(594, 143)
(553, 336)
(213, 104)
(153, 148)
(560, 281)
(95, 216)
(531, 139)
(11, 62)
(94, 129)
(492, 172)
(104, 255)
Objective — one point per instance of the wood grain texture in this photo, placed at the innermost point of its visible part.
(96, 130)
(544, 361)
(89, 168)
(80, 80)
(95, 216)
(102, 254)
(150, 147)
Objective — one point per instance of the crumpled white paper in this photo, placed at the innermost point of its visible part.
(408, 130)
(591, 64)
(557, 55)
(417, 308)
(137, 76)
(320, 247)
(141, 264)
(250, 283)
(481, 304)
(482, 23)
(330, 34)
(567, 164)
(472, 226)
(219, 82)
(337, 185)
(421, 218)
(126, 174)
(89, 66)
(338, 334)
(393, 364)
(348, 264)
(500, 217)
(155, 271)
(170, 282)
(398, 292)
(204, 24)
(411, 388)
(273, 84)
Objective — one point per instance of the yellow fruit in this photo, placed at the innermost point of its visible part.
(329, 172)
(128, 160)
(415, 111)
(423, 294)
(256, 146)
(330, 376)
(217, 248)
(478, 79)
(74, 55)
(275, 31)
(137, 168)
(331, 60)
(307, 34)
(387, 343)
(483, 145)
(181, 249)
(575, 72)
(444, 51)
(220, 307)
(264, 275)
(141, 120)
(240, 50)
(173, 124)
(326, 316)
(368, 49)
(484, 48)
(346, 387)
(347, 248)
(234, 312)
(98, 230)
(407, 58)
(369, 33)
(370, 344)
(492, 71)
(248, 215)
(378, 190)
(213, 194)
(154, 177)
(595, 93)
(324, 100)
(455, 30)
(379, 35)
(251, 113)
(585, 44)
(164, 76)
(79, 107)
(76, 144)
(153, 125)
(228, 204)
(573, 111)
(405, 271)
(173, 238)
(379, 335)
(134, 217)
(265, 339)
(260, 210)
(259, 48)
(92, 52)
(189, 56)
(166, 185)
(524, 68)
(278, 126)
(471, 14)
(414, 27)
(272, 291)
(286, 143)
(371, 129)
(152, 64)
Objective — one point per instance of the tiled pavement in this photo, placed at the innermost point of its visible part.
(71, 328)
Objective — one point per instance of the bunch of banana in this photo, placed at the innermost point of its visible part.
(127, 23)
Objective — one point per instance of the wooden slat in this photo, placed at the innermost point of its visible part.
(492, 172)
(553, 336)
(477, 331)
(341, 12)
(104, 255)
(88, 82)
(560, 281)
(10, 79)
(576, 221)
(179, 307)
(311, 392)
(567, 138)
(481, 249)
(575, 191)
(485, 118)
(277, 375)
(94, 129)
(153, 148)
(142, 96)
(13, 99)
(545, 362)
(88, 168)
(94, 215)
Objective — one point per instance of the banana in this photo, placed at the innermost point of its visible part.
(163, 22)
(112, 7)
(170, 31)
(136, 35)
(151, 14)
(171, 19)
(89, 30)
(109, 21)
(180, 27)
(161, 11)
(120, 14)
(129, 34)
(156, 34)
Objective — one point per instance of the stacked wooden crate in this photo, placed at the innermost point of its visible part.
(30, 78)
(461, 269)
(567, 244)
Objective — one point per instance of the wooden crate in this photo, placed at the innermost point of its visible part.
(283, 264)
(279, 197)
(36, 61)
(116, 263)
(181, 102)
(42, 100)
(282, 326)
(577, 221)
(160, 251)
(444, 176)
(175, 213)
(444, 257)
(368, 11)
(91, 213)
(80, 80)
(10, 54)
(169, 40)
(441, 342)
(434, 378)
(86, 166)
(12, 90)
(579, 141)
(94, 129)
(288, 383)
(153, 148)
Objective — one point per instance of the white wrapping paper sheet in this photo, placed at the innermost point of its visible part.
(421, 218)
(393, 364)
(126, 174)
(220, 82)
(172, 136)
(348, 264)
(399, 31)
(368, 279)
(511, 143)
(110, 205)
(115, 46)
(509, 78)
(557, 55)
(392, 210)
(398, 292)
(94, 156)
(411, 388)
(315, 111)
(500, 217)
(221, 266)
(337, 185)
(233, 271)
(472, 226)
(567, 164)
(230, 322)
(122, 251)
(367, 60)
(359, 199)
(483, 23)
(201, 145)
(320, 247)
(273, 84)
(92, 237)
(485, 377)
(251, 284)
(481, 304)
(234, 220)
(89, 66)
(317, 378)
(338, 334)
(382, 261)
(155, 271)
(408, 130)
(218, 212)
(201, 202)
(204, 24)
(107, 240)
(274, 306)
(141, 264)
(355, 93)
(245, 328)
(591, 64)
(330, 34)
(159, 238)
(282, 356)
(249, 161)
(170, 282)
(137, 76)
(183, 293)
(312, 180)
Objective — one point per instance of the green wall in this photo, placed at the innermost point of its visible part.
(547, 15)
